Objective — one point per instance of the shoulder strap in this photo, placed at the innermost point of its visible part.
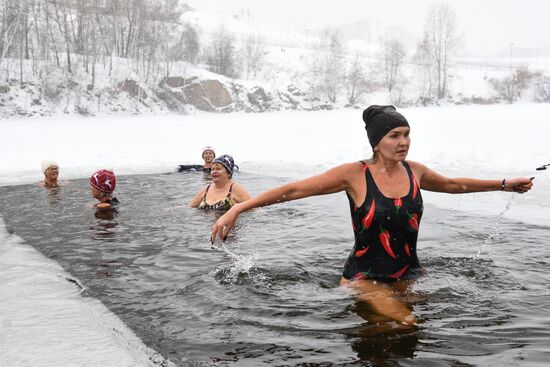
(408, 168)
(414, 185)
(206, 192)
(230, 190)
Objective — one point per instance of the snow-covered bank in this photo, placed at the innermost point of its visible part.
(45, 322)
(497, 139)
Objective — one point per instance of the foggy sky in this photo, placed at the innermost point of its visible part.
(486, 26)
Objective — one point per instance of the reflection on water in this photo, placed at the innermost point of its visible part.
(53, 195)
(270, 295)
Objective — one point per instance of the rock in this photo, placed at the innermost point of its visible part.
(4, 88)
(216, 93)
(208, 95)
(52, 92)
(292, 89)
(194, 95)
(173, 81)
(259, 99)
(132, 88)
(286, 98)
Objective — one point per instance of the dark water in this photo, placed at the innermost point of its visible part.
(270, 297)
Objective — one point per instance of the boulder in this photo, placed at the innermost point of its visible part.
(208, 95)
(194, 95)
(259, 99)
(132, 88)
(173, 81)
(216, 92)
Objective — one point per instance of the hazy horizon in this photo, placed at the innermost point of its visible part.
(486, 28)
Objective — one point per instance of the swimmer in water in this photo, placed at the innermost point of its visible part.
(223, 192)
(102, 186)
(208, 155)
(50, 169)
(384, 194)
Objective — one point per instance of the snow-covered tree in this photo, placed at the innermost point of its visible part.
(326, 67)
(512, 87)
(542, 89)
(356, 83)
(440, 32)
(252, 55)
(394, 55)
(220, 54)
(424, 66)
(190, 43)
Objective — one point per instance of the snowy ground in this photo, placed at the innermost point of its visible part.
(483, 141)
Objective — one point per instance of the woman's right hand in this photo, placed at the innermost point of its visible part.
(225, 223)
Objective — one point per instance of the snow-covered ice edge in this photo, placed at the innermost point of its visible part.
(44, 320)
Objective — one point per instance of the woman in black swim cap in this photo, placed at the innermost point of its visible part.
(386, 207)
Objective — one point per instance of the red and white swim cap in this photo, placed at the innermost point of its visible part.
(103, 180)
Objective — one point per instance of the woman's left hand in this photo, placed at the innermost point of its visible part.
(519, 185)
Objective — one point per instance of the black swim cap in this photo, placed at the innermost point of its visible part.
(379, 120)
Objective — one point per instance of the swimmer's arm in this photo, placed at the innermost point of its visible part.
(197, 199)
(433, 181)
(334, 180)
(239, 193)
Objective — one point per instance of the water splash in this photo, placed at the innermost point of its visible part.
(493, 231)
(241, 264)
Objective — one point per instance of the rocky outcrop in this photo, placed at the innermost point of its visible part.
(259, 99)
(132, 88)
(216, 93)
(204, 95)
(194, 95)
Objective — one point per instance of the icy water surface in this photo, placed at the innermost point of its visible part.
(270, 296)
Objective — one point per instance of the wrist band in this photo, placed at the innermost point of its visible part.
(502, 184)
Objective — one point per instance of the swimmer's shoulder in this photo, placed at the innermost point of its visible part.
(356, 166)
(111, 204)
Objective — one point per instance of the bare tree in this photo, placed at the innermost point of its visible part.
(190, 43)
(220, 54)
(12, 23)
(356, 83)
(511, 87)
(330, 64)
(425, 68)
(394, 55)
(252, 55)
(542, 89)
(440, 31)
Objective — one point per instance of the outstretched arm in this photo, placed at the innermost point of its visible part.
(433, 181)
(334, 180)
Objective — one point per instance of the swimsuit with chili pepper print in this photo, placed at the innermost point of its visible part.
(386, 230)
